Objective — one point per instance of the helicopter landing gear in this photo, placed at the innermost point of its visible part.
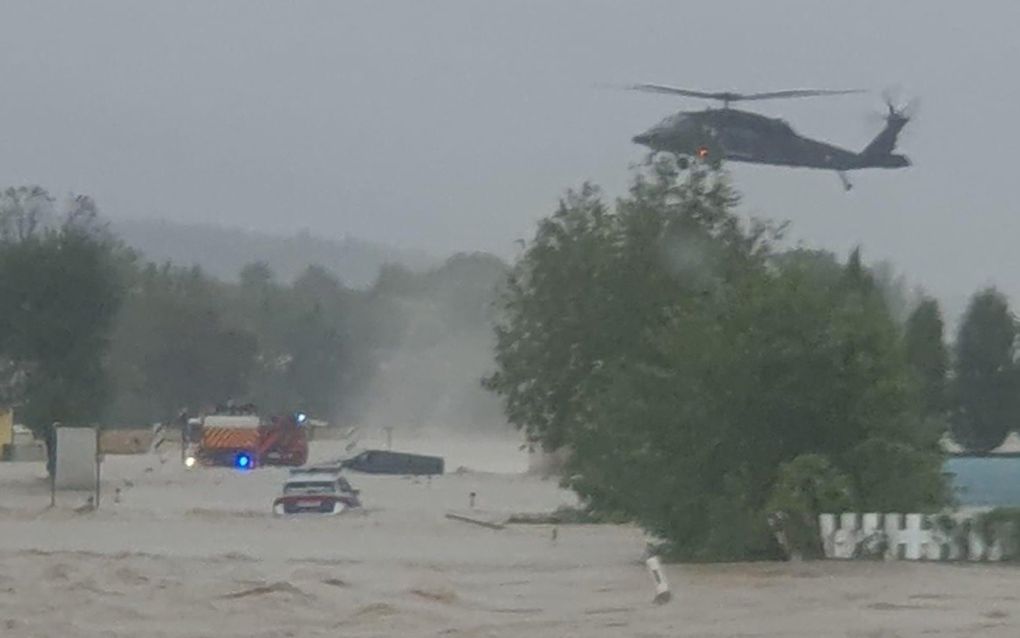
(846, 181)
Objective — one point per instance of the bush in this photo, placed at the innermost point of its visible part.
(1000, 525)
(894, 476)
(807, 486)
(565, 515)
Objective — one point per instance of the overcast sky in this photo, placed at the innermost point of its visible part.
(455, 125)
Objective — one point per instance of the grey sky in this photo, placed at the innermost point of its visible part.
(454, 125)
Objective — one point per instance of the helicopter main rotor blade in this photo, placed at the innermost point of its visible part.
(727, 96)
(797, 93)
(669, 90)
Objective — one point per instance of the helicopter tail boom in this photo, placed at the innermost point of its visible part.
(880, 151)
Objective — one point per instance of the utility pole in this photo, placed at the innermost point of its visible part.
(185, 434)
(99, 462)
(51, 462)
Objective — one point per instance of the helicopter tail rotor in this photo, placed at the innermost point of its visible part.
(881, 149)
(897, 110)
(905, 110)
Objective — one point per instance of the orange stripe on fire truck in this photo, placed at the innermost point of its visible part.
(230, 438)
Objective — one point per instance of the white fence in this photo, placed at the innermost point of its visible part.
(911, 537)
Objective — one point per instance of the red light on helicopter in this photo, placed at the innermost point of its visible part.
(703, 152)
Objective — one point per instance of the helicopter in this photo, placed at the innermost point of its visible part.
(717, 134)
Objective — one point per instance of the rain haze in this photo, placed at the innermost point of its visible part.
(449, 126)
(357, 377)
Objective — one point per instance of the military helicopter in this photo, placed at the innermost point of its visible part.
(717, 134)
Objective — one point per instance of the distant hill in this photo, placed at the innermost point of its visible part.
(223, 251)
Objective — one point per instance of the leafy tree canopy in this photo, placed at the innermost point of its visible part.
(683, 360)
(985, 373)
(60, 289)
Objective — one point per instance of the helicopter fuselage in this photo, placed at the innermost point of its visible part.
(742, 136)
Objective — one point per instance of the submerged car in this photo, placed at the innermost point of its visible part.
(402, 463)
(316, 491)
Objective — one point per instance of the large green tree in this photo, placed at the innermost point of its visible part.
(928, 355)
(174, 348)
(563, 320)
(60, 290)
(185, 340)
(985, 382)
(684, 361)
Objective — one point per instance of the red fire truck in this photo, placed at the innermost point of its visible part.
(246, 441)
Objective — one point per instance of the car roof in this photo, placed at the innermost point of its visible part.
(313, 477)
(316, 469)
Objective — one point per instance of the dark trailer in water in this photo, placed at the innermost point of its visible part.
(387, 462)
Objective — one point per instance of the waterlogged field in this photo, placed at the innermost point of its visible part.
(196, 553)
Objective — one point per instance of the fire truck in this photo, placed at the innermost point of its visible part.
(243, 440)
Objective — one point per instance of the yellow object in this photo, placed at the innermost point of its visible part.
(6, 426)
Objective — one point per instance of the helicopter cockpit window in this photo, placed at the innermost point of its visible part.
(782, 126)
(678, 121)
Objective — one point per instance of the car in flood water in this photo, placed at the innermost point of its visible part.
(316, 491)
(401, 463)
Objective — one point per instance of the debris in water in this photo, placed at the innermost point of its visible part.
(279, 586)
(439, 596)
(335, 582)
(476, 521)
